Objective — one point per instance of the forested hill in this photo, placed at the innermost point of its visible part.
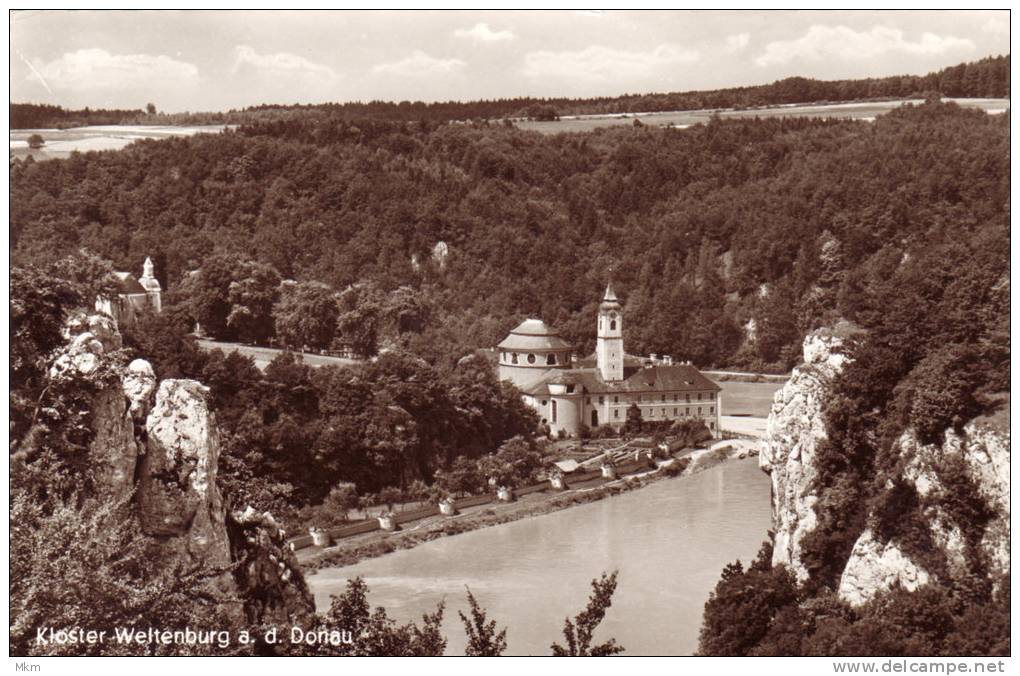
(987, 78)
(728, 241)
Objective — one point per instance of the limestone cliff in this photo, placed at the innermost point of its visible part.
(158, 444)
(795, 430)
(982, 456)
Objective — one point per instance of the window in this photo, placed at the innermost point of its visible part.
(602, 400)
(570, 389)
(687, 411)
(531, 360)
(544, 402)
(711, 409)
(676, 397)
(612, 325)
(699, 410)
(711, 425)
(513, 358)
(554, 411)
(676, 411)
(502, 356)
(699, 396)
(550, 360)
(664, 397)
(616, 413)
(688, 396)
(616, 400)
(663, 413)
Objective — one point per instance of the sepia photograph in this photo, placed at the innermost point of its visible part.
(574, 332)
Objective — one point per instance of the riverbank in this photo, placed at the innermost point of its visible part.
(378, 543)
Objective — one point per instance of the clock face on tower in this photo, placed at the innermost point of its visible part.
(612, 315)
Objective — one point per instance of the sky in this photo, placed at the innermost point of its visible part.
(217, 60)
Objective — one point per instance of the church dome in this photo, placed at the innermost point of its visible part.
(534, 335)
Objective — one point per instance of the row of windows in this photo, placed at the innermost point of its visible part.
(515, 358)
(650, 412)
(651, 398)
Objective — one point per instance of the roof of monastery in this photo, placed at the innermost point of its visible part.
(127, 284)
(534, 335)
(656, 378)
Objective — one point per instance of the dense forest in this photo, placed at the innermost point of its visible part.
(728, 241)
(988, 77)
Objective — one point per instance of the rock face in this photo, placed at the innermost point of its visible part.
(874, 566)
(795, 428)
(160, 445)
(788, 455)
(983, 456)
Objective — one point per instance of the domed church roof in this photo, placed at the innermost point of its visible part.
(534, 335)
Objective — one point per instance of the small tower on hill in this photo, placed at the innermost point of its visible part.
(151, 284)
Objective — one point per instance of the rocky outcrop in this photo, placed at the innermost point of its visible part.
(788, 454)
(795, 428)
(875, 566)
(159, 444)
(982, 455)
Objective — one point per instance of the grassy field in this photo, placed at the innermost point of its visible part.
(865, 110)
(750, 399)
(60, 143)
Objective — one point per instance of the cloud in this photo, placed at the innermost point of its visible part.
(482, 33)
(737, 43)
(90, 70)
(597, 63)
(281, 64)
(419, 63)
(996, 26)
(827, 42)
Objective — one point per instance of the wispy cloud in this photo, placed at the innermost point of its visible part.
(481, 32)
(737, 43)
(598, 63)
(840, 42)
(419, 63)
(280, 64)
(99, 70)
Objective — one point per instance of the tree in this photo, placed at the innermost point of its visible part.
(578, 633)
(251, 297)
(342, 499)
(634, 422)
(35, 141)
(375, 634)
(483, 639)
(306, 314)
(150, 108)
(515, 463)
(462, 477)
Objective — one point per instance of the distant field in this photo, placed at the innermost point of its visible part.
(60, 143)
(747, 399)
(865, 110)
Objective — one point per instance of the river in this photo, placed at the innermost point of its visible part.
(669, 541)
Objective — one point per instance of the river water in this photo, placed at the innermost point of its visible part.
(669, 541)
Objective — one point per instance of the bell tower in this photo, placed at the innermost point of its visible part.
(609, 340)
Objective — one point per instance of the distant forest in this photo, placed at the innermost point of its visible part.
(728, 241)
(987, 78)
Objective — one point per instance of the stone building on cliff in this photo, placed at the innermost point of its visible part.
(133, 296)
(599, 389)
